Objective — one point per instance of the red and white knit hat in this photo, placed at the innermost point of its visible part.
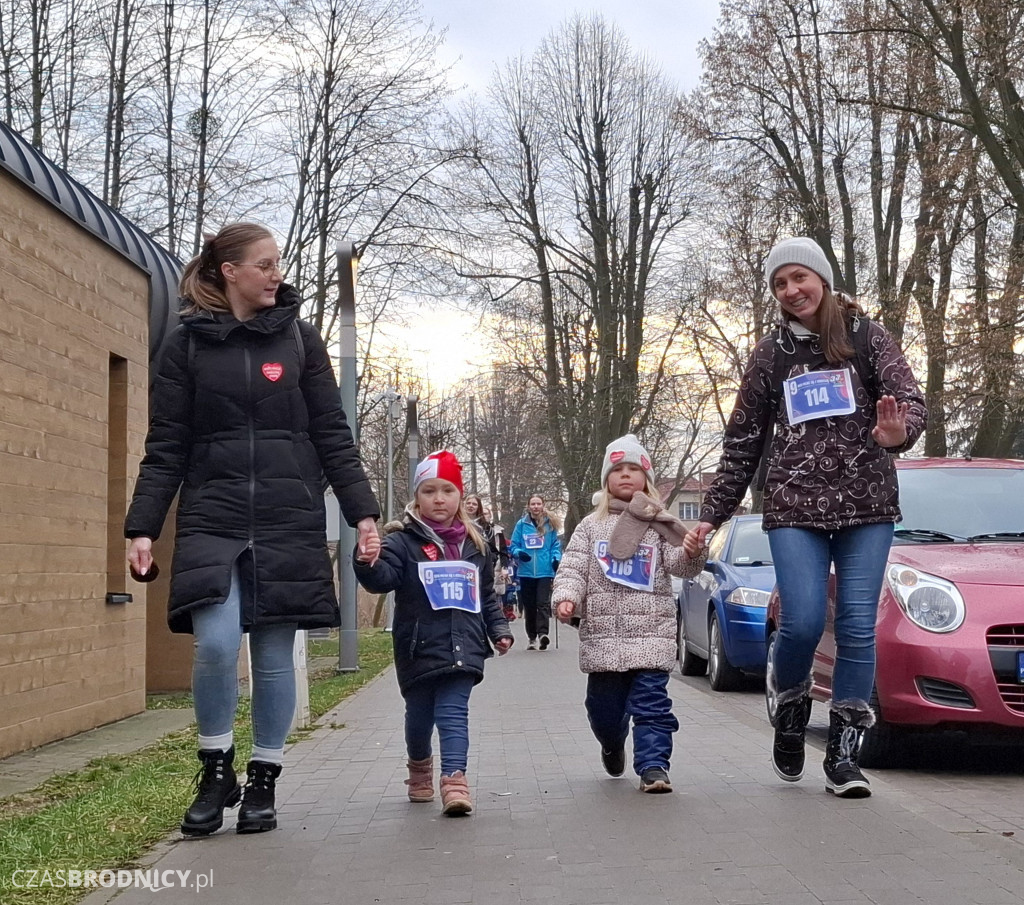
(441, 465)
(626, 449)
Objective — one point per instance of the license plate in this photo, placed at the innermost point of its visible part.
(1020, 666)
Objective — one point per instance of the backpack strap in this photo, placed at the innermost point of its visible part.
(862, 356)
(297, 333)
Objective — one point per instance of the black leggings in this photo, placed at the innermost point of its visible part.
(535, 595)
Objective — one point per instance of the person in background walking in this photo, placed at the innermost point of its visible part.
(245, 420)
(442, 573)
(843, 401)
(535, 544)
(615, 584)
(494, 538)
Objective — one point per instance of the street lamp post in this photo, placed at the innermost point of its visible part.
(413, 427)
(348, 642)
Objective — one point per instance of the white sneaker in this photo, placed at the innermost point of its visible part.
(532, 645)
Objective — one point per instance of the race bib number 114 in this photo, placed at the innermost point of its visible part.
(819, 394)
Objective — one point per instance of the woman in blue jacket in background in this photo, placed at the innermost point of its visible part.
(536, 546)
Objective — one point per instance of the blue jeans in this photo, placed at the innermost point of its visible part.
(802, 557)
(441, 702)
(218, 637)
(614, 697)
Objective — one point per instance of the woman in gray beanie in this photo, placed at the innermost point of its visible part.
(842, 400)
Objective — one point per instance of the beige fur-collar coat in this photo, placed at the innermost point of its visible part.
(621, 628)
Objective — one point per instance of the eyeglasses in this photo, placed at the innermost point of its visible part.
(267, 267)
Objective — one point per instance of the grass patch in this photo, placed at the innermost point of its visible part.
(109, 814)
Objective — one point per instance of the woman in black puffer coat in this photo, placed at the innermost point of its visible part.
(246, 421)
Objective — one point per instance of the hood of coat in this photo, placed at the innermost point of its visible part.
(218, 325)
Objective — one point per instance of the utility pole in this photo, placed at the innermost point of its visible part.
(413, 428)
(348, 636)
(472, 443)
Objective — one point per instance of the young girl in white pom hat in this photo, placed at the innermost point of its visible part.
(615, 580)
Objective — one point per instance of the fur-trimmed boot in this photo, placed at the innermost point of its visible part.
(455, 798)
(421, 779)
(216, 788)
(846, 724)
(258, 812)
(791, 715)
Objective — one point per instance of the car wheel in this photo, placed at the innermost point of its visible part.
(689, 663)
(771, 697)
(721, 673)
(883, 742)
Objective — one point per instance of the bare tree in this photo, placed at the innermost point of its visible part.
(579, 178)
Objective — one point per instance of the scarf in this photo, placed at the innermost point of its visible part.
(453, 536)
(635, 517)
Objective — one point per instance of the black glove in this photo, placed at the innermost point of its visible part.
(555, 563)
(523, 556)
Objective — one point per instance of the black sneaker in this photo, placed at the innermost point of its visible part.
(544, 642)
(614, 761)
(655, 780)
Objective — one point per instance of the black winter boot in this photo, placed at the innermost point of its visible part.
(846, 725)
(217, 788)
(794, 709)
(257, 813)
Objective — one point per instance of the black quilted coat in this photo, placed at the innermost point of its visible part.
(430, 642)
(249, 440)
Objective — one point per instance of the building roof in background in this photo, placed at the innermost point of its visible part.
(48, 180)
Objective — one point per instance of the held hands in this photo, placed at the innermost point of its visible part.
(891, 422)
(564, 611)
(368, 542)
(502, 645)
(695, 539)
(140, 555)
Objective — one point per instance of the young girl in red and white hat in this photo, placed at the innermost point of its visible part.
(446, 619)
(614, 583)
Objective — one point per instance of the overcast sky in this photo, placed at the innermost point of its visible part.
(445, 346)
(488, 32)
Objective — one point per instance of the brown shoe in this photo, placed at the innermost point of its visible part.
(421, 779)
(455, 798)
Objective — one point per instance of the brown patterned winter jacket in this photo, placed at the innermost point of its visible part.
(621, 629)
(827, 473)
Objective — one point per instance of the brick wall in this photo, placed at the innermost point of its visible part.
(73, 387)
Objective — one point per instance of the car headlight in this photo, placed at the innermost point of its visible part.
(748, 597)
(928, 601)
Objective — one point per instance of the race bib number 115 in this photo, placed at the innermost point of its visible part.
(451, 585)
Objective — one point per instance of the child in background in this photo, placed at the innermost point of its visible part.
(614, 580)
(442, 574)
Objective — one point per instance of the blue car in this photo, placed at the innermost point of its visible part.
(722, 611)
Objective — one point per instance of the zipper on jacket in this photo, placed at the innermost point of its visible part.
(252, 486)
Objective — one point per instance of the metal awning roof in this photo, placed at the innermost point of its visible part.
(24, 162)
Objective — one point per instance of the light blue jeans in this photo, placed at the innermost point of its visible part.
(802, 557)
(218, 637)
(442, 701)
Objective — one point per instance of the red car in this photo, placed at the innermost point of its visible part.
(950, 628)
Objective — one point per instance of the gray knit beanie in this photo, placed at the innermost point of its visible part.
(800, 250)
(626, 449)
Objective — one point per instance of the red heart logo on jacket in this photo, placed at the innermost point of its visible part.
(272, 370)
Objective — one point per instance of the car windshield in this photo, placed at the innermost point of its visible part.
(750, 545)
(960, 502)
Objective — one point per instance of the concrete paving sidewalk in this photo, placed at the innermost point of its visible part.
(550, 826)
